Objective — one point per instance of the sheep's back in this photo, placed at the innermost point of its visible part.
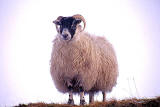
(108, 67)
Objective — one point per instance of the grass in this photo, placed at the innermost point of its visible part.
(154, 102)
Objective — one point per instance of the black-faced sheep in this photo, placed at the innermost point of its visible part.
(80, 62)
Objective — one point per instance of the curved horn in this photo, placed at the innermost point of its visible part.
(56, 22)
(78, 16)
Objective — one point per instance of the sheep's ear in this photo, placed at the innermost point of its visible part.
(56, 22)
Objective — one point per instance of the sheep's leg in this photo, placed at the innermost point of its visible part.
(104, 96)
(70, 87)
(91, 97)
(82, 99)
(70, 100)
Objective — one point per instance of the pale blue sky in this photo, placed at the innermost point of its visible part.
(27, 31)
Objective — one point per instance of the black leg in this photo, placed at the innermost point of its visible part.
(82, 99)
(70, 87)
(91, 97)
(104, 96)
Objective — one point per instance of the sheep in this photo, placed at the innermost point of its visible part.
(81, 62)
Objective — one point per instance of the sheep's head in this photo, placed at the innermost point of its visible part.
(67, 26)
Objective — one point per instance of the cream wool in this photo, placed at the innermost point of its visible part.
(90, 60)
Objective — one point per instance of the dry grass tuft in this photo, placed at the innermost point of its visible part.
(154, 102)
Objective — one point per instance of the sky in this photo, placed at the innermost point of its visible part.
(27, 32)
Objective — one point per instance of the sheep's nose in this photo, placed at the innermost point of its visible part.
(65, 36)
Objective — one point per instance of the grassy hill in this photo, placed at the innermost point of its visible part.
(154, 102)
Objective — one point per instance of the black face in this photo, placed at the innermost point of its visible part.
(69, 23)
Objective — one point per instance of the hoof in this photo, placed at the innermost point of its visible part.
(82, 102)
(71, 102)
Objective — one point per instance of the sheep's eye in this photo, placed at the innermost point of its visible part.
(73, 27)
(58, 23)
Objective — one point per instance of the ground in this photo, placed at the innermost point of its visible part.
(154, 102)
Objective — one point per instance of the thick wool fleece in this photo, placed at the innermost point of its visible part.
(87, 59)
